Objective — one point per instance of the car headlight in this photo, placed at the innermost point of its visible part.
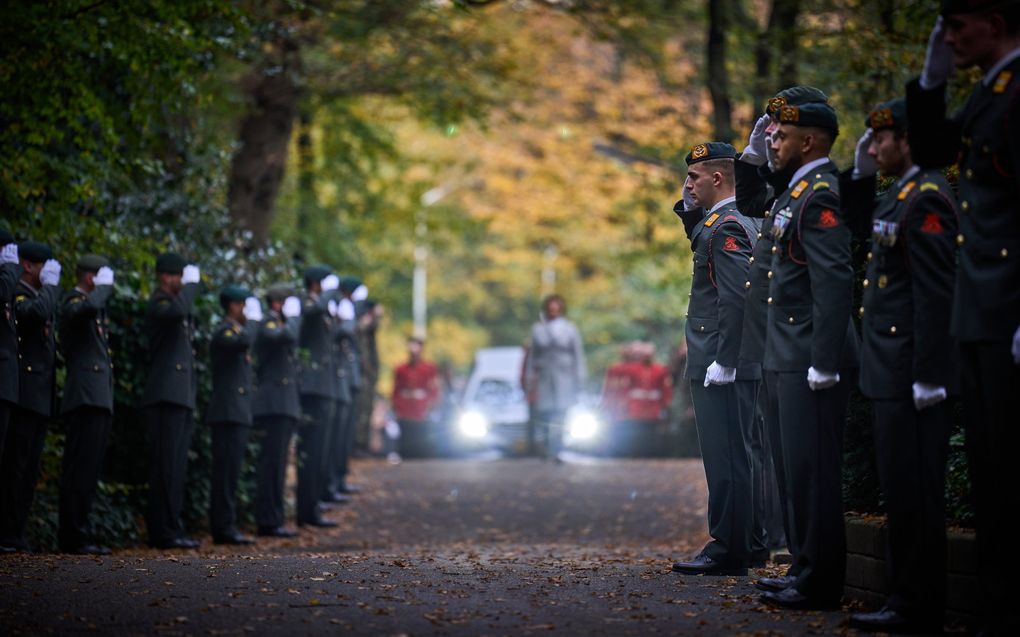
(582, 425)
(473, 424)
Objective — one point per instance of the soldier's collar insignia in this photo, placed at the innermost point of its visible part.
(711, 219)
(775, 104)
(799, 188)
(905, 190)
(1002, 81)
(699, 151)
(929, 186)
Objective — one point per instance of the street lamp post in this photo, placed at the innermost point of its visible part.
(419, 287)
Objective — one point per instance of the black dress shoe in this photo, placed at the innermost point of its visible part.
(335, 496)
(321, 523)
(795, 600)
(778, 583)
(889, 621)
(176, 543)
(8, 550)
(87, 549)
(704, 565)
(276, 531)
(235, 539)
(350, 489)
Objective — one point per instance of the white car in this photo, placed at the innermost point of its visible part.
(494, 408)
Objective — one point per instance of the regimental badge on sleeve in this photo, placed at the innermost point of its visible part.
(1001, 82)
(932, 224)
(827, 219)
(731, 245)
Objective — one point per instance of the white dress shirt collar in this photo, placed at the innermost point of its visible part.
(806, 168)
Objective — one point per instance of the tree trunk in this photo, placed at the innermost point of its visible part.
(718, 77)
(259, 164)
(779, 39)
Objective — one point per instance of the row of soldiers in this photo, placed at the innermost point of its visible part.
(289, 367)
(770, 328)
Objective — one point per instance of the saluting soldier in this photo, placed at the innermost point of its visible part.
(88, 399)
(318, 392)
(275, 407)
(758, 182)
(908, 366)
(229, 412)
(10, 272)
(812, 347)
(352, 324)
(342, 311)
(168, 400)
(722, 386)
(984, 140)
(35, 305)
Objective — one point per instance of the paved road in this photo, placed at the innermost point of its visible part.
(441, 547)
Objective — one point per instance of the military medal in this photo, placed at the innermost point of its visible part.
(883, 281)
(781, 222)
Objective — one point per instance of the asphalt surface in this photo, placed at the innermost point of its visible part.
(443, 547)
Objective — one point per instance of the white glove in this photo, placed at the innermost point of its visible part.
(252, 309)
(755, 152)
(770, 153)
(50, 273)
(331, 282)
(345, 310)
(331, 308)
(191, 274)
(104, 276)
(716, 374)
(360, 293)
(1016, 346)
(817, 379)
(926, 395)
(938, 59)
(864, 164)
(687, 196)
(291, 307)
(9, 253)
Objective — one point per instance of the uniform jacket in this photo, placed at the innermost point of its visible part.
(230, 358)
(35, 313)
(811, 294)
(315, 346)
(84, 339)
(650, 392)
(168, 323)
(555, 366)
(615, 386)
(276, 371)
(984, 140)
(415, 390)
(722, 244)
(908, 289)
(10, 274)
(345, 353)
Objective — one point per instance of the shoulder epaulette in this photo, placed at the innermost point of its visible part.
(820, 184)
(711, 219)
(929, 185)
(1002, 81)
(905, 190)
(229, 332)
(19, 298)
(75, 299)
(799, 189)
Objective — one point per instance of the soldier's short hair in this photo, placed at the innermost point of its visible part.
(723, 166)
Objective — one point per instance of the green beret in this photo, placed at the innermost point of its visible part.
(92, 263)
(349, 284)
(5, 237)
(234, 294)
(34, 251)
(795, 96)
(953, 7)
(279, 292)
(814, 115)
(711, 150)
(170, 263)
(317, 273)
(891, 114)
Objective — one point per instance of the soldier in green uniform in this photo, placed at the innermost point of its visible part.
(812, 347)
(10, 272)
(722, 387)
(35, 307)
(758, 183)
(88, 399)
(229, 412)
(342, 312)
(318, 390)
(275, 407)
(983, 139)
(907, 364)
(349, 357)
(168, 400)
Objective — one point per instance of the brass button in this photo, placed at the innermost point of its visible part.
(965, 205)
(892, 330)
(240, 390)
(747, 285)
(179, 366)
(95, 368)
(866, 283)
(1004, 252)
(860, 311)
(769, 300)
(286, 381)
(969, 173)
(770, 274)
(750, 260)
(29, 368)
(790, 320)
(775, 249)
(701, 329)
(883, 281)
(759, 235)
(960, 239)
(768, 213)
(870, 255)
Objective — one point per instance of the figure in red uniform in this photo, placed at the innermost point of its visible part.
(415, 386)
(617, 383)
(651, 387)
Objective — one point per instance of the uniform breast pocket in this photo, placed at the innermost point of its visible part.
(988, 161)
(793, 321)
(993, 268)
(889, 343)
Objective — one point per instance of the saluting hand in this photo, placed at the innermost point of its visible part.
(252, 309)
(191, 274)
(331, 282)
(1016, 346)
(864, 164)
(291, 307)
(50, 273)
(9, 253)
(755, 152)
(104, 276)
(938, 59)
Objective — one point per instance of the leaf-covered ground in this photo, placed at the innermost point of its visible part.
(440, 547)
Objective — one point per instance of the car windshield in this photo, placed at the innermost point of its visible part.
(495, 392)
